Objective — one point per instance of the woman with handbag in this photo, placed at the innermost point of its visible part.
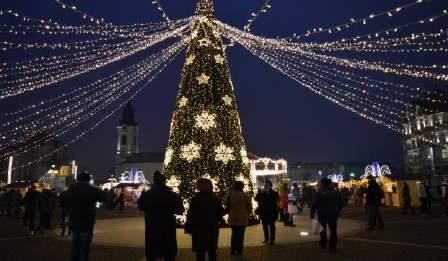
(240, 207)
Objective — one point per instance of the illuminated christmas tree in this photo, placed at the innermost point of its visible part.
(205, 138)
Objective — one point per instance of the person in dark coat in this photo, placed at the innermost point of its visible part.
(328, 203)
(203, 218)
(160, 205)
(31, 201)
(63, 204)
(268, 211)
(121, 201)
(406, 195)
(47, 204)
(307, 195)
(82, 199)
(374, 195)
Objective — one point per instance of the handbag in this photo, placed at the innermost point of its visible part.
(316, 227)
(292, 209)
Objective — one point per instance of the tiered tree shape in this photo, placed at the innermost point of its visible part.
(205, 137)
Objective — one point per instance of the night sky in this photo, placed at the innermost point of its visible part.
(279, 117)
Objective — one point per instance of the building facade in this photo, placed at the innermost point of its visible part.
(425, 124)
(129, 158)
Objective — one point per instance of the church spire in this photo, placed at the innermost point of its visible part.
(127, 117)
(205, 7)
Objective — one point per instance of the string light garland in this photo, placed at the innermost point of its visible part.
(175, 49)
(254, 15)
(321, 67)
(354, 21)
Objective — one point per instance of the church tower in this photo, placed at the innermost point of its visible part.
(127, 143)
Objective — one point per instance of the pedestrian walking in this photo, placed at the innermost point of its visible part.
(161, 205)
(406, 195)
(283, 205)
(374, 196)
(428, 197)
(2, 202)
(296, 195)
(267, 211)
(65, 220)
(328, 203)
(47, 204)
(422, 196)
(121, 201)
(203, 219)
(31, 201)
(444, 196)
(307, 195)
(240, 206)
(82, 199)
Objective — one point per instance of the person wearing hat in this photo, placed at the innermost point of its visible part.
(328, 203)
(82, 199)
(161, 205)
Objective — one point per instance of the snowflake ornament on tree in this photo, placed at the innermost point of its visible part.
(205, 121)
(224, 153)
(190, 151)
(168, 156)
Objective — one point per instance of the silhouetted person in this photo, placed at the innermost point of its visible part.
(2, 202)
(203, 218)
(267, 211)
(444, 196)
(31, 201)
(111, 199)
(121, 201)
(406, 195)
(160, 205)
(307, 195)
(65, 223)
(47, 204)
(240, 207)
(374, 195)
(296, 194)
(423, 197)
(82, 199)
(328, 204)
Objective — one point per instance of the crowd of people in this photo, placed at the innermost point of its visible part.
(206, 211)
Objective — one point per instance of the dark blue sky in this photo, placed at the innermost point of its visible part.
(279, 117)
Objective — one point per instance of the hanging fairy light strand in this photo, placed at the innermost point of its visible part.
(254, 15)
(120, 54)
(67, 123)
(354, 21)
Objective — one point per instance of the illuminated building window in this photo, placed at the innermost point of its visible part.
(445, 153)
(124, 140)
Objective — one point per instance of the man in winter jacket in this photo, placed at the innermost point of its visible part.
(160, 205)
(374, 196)
(82, 199)
(268, 211)
(328, 204)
